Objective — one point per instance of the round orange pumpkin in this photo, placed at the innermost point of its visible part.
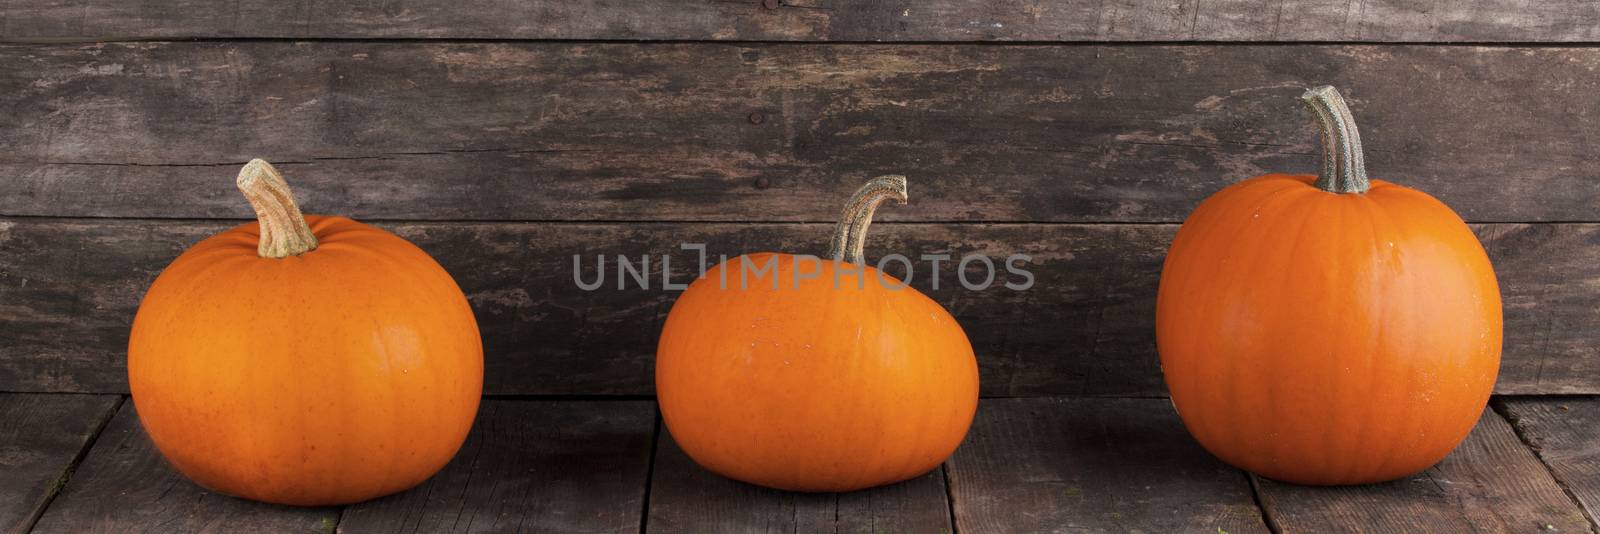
(804, 383)
(1328, 329)
(304, 360)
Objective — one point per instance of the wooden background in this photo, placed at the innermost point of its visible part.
(505, 136)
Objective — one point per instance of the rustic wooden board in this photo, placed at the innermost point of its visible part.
(531, 466)
(1565, 433)
(124, 485)
(1092, 465)
(1491, 483)
(815, 20)
(69, 289)
(686, 498)
(42, 437)
(1548, 277)
(627, 132)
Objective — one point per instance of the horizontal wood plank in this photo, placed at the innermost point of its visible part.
(725, 132)
(815, 20)
(1491, 483)
(687, 498)
(1093, 465)
(1548, 277)
(530, 466)
(69, 290)
(124, 485)
(1565, 433)
(41, 439)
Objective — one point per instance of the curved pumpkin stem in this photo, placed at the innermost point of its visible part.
(850, 235)
(1344, 168)
(284, 231)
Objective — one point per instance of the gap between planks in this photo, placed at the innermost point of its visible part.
(658, 434)
(65, 478)
(1498, 404)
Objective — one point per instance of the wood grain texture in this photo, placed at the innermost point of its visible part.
(1552, 313)
(663, 132)
(41, 439)
(69, 290)
(124, 485)
(1093, 465)
(1565, 433)
(1491, 483)
(815, 20)
(530, 466)
(687, 498)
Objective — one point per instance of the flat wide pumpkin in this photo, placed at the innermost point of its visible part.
(1328, 329)
(267, 369)
(813, 386)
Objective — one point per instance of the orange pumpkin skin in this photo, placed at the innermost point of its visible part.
(813, 388)
(346, 373)
(1322, 338)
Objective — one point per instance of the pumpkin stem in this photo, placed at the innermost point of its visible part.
(1344, 168)
(850, 235)
(284, 231)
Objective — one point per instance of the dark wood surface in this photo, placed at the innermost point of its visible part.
(1093, 465)
(1565, 433)
(124, 485)
(815, 20)
(41, 439)
(1491, 483)
(531, 466)
(70, 288)
(505, 136)
(1028, 465)
(686, 498)
(634, 132)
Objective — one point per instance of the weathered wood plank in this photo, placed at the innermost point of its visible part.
(624, 132)
(69, 289)
(1491, 483)
(1565, 433)
(816, 20)
(68, 292)
(686, 498)
(124, 485)
(41, 438)
(530, 466)
(1548, 277)
(1092, 465)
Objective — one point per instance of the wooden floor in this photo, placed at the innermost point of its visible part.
(81, 463)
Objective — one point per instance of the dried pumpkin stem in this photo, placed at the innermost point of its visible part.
(284, 231)
(850, 235)
(1344, 168)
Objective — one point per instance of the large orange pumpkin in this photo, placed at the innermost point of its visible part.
(304, 360)
(802, 383)
(1328, 329)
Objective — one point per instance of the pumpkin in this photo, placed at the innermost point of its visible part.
(801, 383)
(304, 360)
(1328, 329)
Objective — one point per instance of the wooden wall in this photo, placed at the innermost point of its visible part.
(505, 136)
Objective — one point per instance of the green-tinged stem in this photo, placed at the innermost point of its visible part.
(850, 235)
(284, 231)
(1344, 168)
